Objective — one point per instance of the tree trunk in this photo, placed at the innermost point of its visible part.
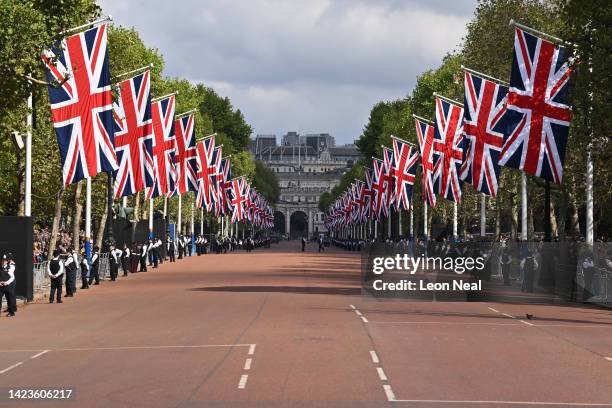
(562, 215)
(56, 221)
(101, 227)
(554, 231)
(78, 209)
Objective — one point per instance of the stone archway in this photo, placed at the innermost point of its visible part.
(298, 224)
(279, 222)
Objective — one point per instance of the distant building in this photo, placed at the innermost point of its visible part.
(306, 166)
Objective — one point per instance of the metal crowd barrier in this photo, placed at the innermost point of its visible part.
(41, 280)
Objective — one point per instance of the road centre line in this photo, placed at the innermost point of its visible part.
(11, 367)
(364, 319)
(375, 359)
(135, 348)
(507, 315)
(527, 323)
(381, 374)
(358, 313)
(494, 310)
(247, 363)
(243, 381)
(352, 307)
(39, 354)
(608, 358)
(389, 393)
(251, 349)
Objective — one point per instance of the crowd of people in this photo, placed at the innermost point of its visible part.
(67, 263)
(42, 240)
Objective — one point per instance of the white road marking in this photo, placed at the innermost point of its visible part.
(490, 308)
(527, 323)
(243, 381)
(375, 359)
(358, 313)
(252, 349)
(581, 404)
(507, 315)
(11, 367)
(448, 323)
(389, 392)
(39, 354)
(364, 319)
(381, 374)
(608, 358)
(352, 307)
(137, 347)
(247, 363)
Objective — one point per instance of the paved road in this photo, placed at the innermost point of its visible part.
(279, 327)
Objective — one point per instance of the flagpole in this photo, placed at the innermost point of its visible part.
(192, 231)
(523, 207)
(180, 215)
(411, 219)
(483, 215)
(150, 218)
(202, 220)
(93, 23)
(165, 206)
(375, 230)
(134, 71)
(389, 225)
(399, 223)
(124, 201)
(455, 220)
(159, 98)
(425, 219)
(88, 218)
(28, 161)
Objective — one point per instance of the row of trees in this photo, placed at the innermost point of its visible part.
(488, 47)
(30, 26)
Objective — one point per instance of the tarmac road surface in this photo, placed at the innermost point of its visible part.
(278, 327)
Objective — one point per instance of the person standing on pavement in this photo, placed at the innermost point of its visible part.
(70, 266)
(113, 258)
(94, 273)
(7, 284)
(125, 259)
(170, 249)
(134, 258)
(143, 257)
(84, 272)
(55, 270)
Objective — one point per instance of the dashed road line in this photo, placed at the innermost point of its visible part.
(493, 310)
(507, 315)
(135, 348)
(243, 381)
(247, 363)
(375, 359)
(364, 319)
(389, 393)
(11, 367)
(352, 307)
(39, 354)
(527, 323)
(358, 313)
(608, 358)
(252, 349)
(381, 374)
(536, 403)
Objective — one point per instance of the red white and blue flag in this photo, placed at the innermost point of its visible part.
(485, 106)
(448, 145)
(380, 206)
(215, 182)
(367, 207)
(405, 163)
(389, 160)
(186, 154)
(82, 106)
(238, 191)
(134, 136)
(206, 172)
(425, 137)
(538, 114)
(164, 147)
(225, 185)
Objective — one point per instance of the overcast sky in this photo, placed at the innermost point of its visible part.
(305, 65)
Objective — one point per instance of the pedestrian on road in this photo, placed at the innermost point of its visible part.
(303, 244)
(55, 270)
(7, 284)
(321, 247)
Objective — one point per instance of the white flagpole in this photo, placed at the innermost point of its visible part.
(202, 220)
(88, 218)
(376, 230)
(165, 206)
(483, 215)
(179, 220)
(425, 218)
(523, 207)
(124, 202)
(389, 225)
(192, 231)
(454, 220)
(399, 224)
(411, 218)
(150, 218)
(28, 161)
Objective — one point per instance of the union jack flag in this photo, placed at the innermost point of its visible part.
(380, 206)
(215, 182)
(366, 208)
(225, 186)
(538, 114)
(164, 147)
(82, 107)
(186, 154)
(448, 144)
(205, 153)
(238, 198)
(405, 162)
(485, 105)
(134, 136)
(388, 159)
(425, 137)
(360, 203)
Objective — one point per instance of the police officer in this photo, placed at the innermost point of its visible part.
(84, 273)
(143, 257)
(55, 270)
(113, 258)
(71, 264)
(158, 249)
(170, 249)
(134, 258)
(94, 273)
(7, 283)
(181, 246)
(125, 259)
